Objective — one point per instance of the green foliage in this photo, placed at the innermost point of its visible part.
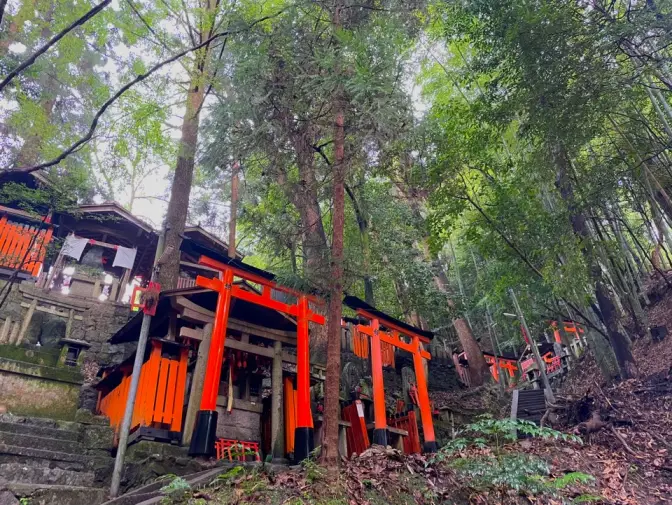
(587, 498)
(313, 471)
(176, 491)
(483, 460)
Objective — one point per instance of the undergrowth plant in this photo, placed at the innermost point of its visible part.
(480, 457)
(176, 491)
(314, 471)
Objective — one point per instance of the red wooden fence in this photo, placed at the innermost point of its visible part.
(15, 242)
(160, 398)
(409, 423)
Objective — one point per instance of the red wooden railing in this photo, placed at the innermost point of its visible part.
(408, 423)
(15, 242)
(160, 399)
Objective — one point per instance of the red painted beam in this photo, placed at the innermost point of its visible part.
(389, 339)
(244, 274)
(393, 326)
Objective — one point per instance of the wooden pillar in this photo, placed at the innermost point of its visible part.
(203, 441)
(172, 326)
(68, 325)
(26, 321)
(181, 383)
(58, 265)
(122, 284)
(304, 441)
(245, 338)
(4, 335)
(423, 398)
(14, 333)
(196, 390)
(277, 428)
(342, 442)
(96, 289)
(379, 410)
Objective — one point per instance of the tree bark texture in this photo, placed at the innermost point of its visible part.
(332, 382)
(607, 306)
(180, 191)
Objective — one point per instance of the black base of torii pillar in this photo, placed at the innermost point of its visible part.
(304, 443)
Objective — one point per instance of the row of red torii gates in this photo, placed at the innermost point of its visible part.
(380, 328)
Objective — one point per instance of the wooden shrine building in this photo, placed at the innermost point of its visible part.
(220, 354)
(229, 365)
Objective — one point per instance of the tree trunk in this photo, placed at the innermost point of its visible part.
(307, 203)
(304, 195)
(363, 225)
(479, 370)
(619, 342)
(178, 206)
(332, 382)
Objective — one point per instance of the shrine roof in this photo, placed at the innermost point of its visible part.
(356, 303)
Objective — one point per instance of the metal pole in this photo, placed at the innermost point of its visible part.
(135, 379)
(535, 349)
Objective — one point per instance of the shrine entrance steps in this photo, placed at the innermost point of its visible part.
(53, 462)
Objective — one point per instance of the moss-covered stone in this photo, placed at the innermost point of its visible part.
(33, 395)
(69, 375)
(85, 416)
(145, 449)
(96, 437)
(34, 356)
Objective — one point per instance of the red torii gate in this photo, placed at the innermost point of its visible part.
(203, 440)
(393, 337)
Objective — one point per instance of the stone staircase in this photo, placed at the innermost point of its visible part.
(55, 462)
(150, 494)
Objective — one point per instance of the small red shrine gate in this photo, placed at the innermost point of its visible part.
(396, 330)
(203, 440)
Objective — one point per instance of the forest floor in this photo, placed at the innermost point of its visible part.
(627, 461)
(613, 445)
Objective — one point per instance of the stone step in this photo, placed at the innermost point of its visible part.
(39, 431)
(152, 491)
(42, 443)
(64, 460)
(35, 473)
(49, 494)
(41, 422)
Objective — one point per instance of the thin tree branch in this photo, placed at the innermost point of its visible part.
(3, 5)
(522, 256)
(94, 124)
(31, 59)
(318, 149)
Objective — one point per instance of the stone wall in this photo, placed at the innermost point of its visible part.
(238, 424)
(99, 321)
(39, 390)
